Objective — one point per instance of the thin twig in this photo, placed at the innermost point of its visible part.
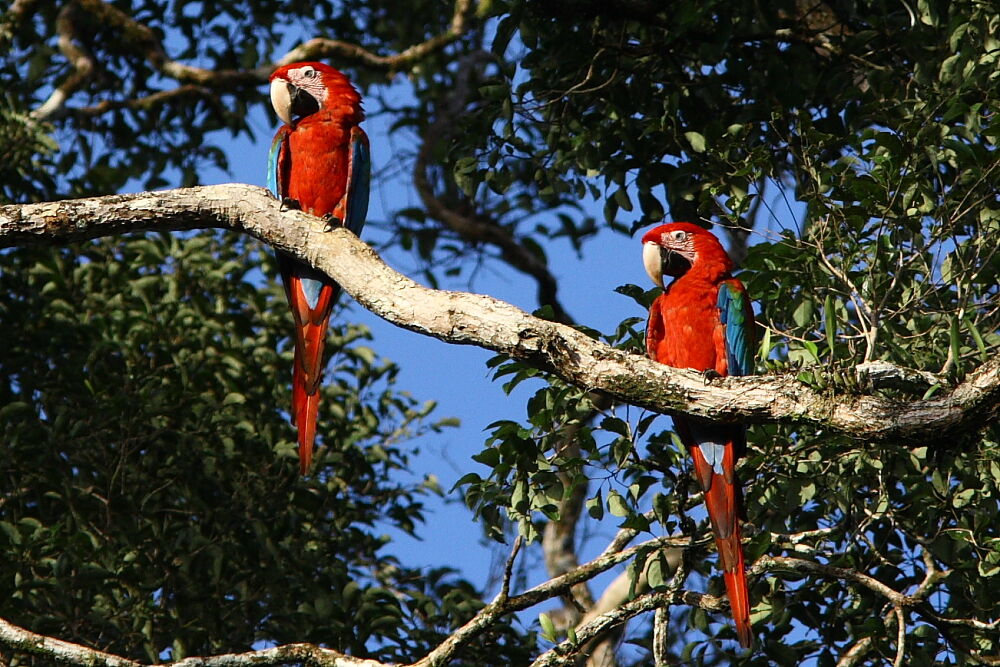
(900, 637)
(509, 569)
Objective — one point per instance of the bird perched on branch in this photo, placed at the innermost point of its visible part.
(703, 321)
(320, 163)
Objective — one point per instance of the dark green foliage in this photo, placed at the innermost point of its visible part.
(25, 156)
(151, 499)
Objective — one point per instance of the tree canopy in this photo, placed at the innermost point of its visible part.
(847, 153)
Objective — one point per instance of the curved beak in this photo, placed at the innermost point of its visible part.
(281, 100)
(652, 260)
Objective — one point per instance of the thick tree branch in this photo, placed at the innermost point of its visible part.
(148, 102)
(472, 319)
(24, 641)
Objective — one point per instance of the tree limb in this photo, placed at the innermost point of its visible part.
(144, 41)
(772, 563)
(471, 319)
(78, 57)
(562, 654)
(21, 640)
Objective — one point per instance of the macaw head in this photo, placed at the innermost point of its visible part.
(299, 90)
(676, 248)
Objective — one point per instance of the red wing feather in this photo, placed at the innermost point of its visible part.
(654, 330)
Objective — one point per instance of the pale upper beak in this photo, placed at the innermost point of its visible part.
(281, 100)
(652, 259)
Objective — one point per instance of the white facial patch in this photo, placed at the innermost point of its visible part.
(310, 80)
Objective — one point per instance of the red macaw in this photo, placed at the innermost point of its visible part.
(319, 162)
(703, 320)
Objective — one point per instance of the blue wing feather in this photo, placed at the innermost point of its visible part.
(278, 145)
(358, 181)
(737, 319)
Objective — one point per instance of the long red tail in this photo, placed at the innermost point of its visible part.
(722, 500)
(305, 409)
(310, 340)
(739, 600)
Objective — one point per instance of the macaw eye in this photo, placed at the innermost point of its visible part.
(679, 236)
(309, 73)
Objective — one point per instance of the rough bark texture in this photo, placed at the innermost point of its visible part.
(472, 319)
(21, 640)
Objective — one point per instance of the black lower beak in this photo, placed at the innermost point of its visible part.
(303, 104)
(673, 264)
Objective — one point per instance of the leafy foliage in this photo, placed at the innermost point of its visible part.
(848, 152)
(151, 499)
(25, 156)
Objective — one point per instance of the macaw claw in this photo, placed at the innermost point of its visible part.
(332, 221)
(710, 374)
(287, 203)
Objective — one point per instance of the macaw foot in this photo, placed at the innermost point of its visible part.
(332, 221)
(710, 374)
(287, 203)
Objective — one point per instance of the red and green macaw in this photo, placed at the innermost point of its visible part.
(703, 320)
(319, 162)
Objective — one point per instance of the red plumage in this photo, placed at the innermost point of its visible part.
(312, 168)
(686, 330)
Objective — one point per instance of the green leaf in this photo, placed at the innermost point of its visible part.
(803, 314)
(616, 504)
(963, 498)
(697, 141)
(656, 573)
(829, 324)
(595, 506)
(548, 628)
(234, 398)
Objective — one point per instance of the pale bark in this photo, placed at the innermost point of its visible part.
(472, 319)
(24, 641)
